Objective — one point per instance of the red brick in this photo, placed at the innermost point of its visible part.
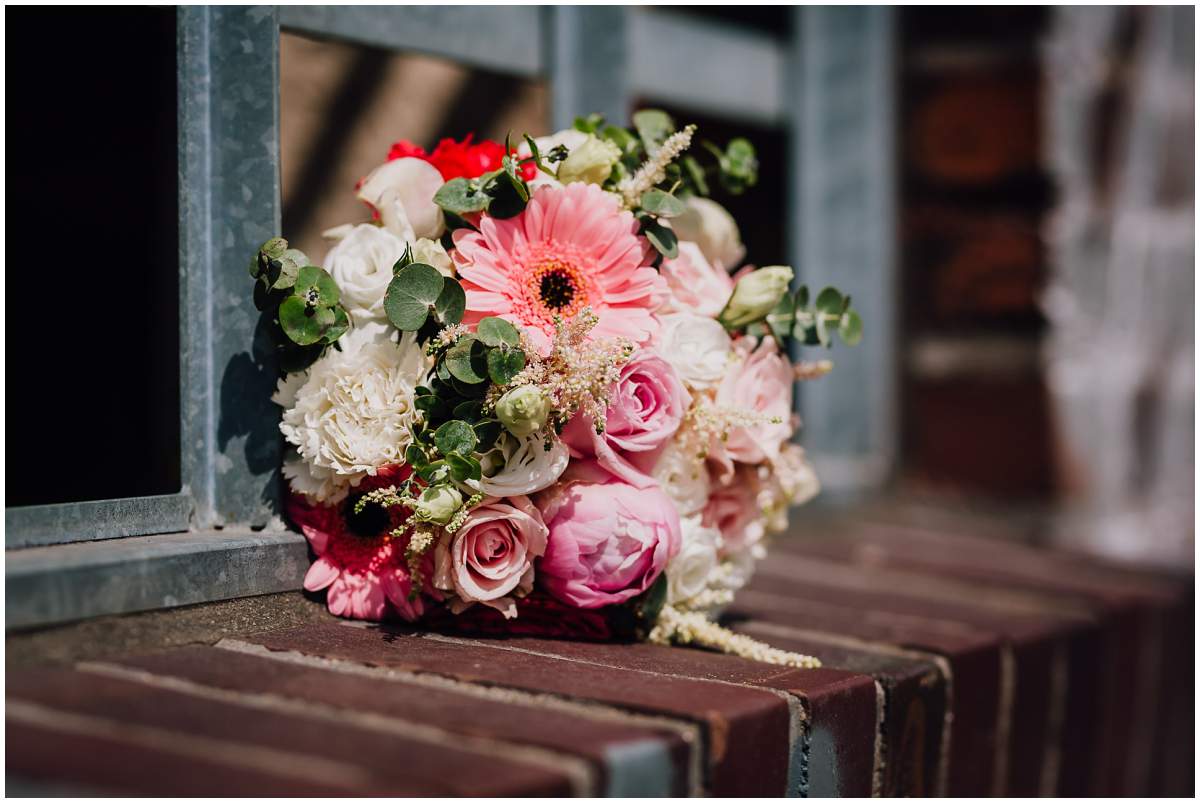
(522, 719)
(369, 760)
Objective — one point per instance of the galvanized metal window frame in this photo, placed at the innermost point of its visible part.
(828, 87)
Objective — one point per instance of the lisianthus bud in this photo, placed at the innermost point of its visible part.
(438, 504)
(755, 295)
(523, 410)
(591, 162)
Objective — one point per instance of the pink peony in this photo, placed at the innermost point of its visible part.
(759, 382)
(357, 560)
(648, 402)
(608, 543)
(696, 286)
(733, 509)
(573, 247)
(491, 556)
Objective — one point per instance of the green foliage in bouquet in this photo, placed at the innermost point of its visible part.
(303, 300)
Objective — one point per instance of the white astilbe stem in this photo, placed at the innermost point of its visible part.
(654, 171)
(691, 627)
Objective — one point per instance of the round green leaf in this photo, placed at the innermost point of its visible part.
(310, 277)
(497, 331)
(341, 322)
(504, 364)
(464, 468)
(468, 410)
(455, 437)
(459, 196)
(781, 319)
(662, 204)
(661, 238)
(487, 432)
(850, 328)
(829, 300)
(299, 322)
(410, 294)
(451, 303)
(467, 361)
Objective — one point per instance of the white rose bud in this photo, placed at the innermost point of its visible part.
(695, 565)
(710, 226)
(438, 504)
(430, 252)
(755, 295)
(592, 162)
(523, 410)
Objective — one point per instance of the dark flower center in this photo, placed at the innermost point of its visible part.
(372, 521)
(557, 290)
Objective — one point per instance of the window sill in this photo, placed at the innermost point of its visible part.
(55, 584)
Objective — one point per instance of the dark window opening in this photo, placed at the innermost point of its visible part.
(92, 266)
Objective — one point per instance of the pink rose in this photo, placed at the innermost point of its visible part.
(759, 382)
(491, 556)
(608, 543)
(696, 285)
(647, 404)
(733, 509)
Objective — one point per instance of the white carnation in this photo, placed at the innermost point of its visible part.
(361, 264)
(402, 191)
(697, 347)
(710, 226)
(694, 568)
(522, 465)
(683, 476)
(349, 413)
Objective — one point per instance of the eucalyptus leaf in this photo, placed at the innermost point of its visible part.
(455, 437)
(464, 468)
(410, 294)
(299, 321)
(451, 303)
(495, 331)
(781, 319)
(653, 126)
(487, 432)
(662, 204)
(504, 364)
(462, 197)
(850, 328)
(662, 238)
(414, 455)
(695, 172)
(467, 361)
(434, 472)
(829, 300)
(339, 325)
(317, 286)
(468, 411)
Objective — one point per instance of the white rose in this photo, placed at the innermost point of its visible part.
(694, 567)
(361, 264)
(710, 226)
(517, 466)
(349, 413)
(697, 347)
(738, 567)
(683, 476)
(402, 191)
(430, 252)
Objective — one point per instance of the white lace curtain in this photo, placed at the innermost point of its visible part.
(1120, 355)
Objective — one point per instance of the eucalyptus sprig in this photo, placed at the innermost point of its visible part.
(303, 300)
(814, 325)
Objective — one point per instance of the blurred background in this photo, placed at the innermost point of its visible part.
(1043, 251)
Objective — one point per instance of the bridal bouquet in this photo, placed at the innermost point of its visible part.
(539, 393)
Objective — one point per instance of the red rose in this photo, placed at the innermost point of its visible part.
(460, 159)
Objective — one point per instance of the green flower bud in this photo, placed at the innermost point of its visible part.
(438, 504)
(592, 162)
(523, 410)
(755, 295)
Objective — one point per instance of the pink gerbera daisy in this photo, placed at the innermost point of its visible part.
(573, 247)
(357, 560)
